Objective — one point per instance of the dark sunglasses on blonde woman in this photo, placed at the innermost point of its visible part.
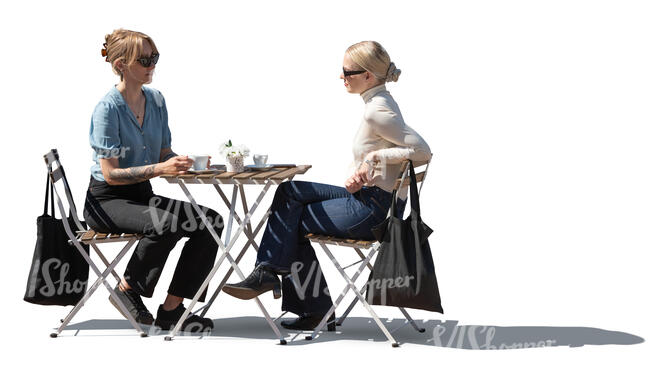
(350, 73)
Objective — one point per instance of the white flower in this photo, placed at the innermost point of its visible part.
(228, 149)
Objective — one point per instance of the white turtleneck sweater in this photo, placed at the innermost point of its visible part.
(383, 131)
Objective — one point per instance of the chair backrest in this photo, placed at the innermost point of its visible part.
(421, 169)
(404, 180)
(57, 176)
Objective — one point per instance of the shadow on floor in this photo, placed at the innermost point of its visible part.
(449, 334)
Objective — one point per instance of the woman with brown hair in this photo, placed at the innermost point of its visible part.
(131, 142)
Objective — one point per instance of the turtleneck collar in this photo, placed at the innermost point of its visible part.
(369, 93)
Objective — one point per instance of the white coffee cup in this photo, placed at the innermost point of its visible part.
(200, 161)
(260, 159)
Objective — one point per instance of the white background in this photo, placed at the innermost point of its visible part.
(536, 112)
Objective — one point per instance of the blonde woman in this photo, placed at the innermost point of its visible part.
(131, 144)
(382, 141)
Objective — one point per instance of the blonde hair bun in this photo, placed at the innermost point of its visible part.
(393, 73)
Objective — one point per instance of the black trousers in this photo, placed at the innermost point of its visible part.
(134, 208)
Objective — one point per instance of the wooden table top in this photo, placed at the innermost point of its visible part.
(275, 174)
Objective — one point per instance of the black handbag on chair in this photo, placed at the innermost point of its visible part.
(59, 273)
(404, 274)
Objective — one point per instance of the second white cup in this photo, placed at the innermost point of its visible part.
(260, 159)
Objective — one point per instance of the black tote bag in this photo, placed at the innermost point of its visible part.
(404, 274)
(59, 273)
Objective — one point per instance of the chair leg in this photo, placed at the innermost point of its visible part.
(106, 262)
(80, 304)
(101, 280)
(360, 296)
(343, 293)
(340, 320)
(354, 302)
(411, 321)
(280, 316)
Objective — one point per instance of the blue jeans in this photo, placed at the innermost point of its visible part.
(300, 208)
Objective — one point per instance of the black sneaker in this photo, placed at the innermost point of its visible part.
(133, 304)
(166, 320)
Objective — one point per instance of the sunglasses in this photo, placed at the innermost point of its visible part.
(148, 61)
(350, 73)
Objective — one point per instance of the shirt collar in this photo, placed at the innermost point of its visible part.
(119, 99)
(370, 93)
(116, 96)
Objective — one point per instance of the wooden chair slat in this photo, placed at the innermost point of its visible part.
(329, 240)
(91, 236)
(88, 235)
(415, 165)
(407, 180)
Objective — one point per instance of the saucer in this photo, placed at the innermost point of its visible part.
(259, 167)
(204, 171)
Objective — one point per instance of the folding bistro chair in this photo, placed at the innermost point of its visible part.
(373, 247)
(91, 238)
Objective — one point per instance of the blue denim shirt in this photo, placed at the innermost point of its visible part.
(115, 132)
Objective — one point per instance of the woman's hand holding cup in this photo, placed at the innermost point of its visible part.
(175, 165)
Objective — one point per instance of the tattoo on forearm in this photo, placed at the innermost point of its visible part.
(132, 174)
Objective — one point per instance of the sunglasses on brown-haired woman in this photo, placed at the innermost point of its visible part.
(148, 61)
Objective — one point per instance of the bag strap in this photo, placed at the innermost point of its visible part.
(72, 210)
(415, 197)
(49, 191)
(393, 202)
(72, 207)
(68, 192)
